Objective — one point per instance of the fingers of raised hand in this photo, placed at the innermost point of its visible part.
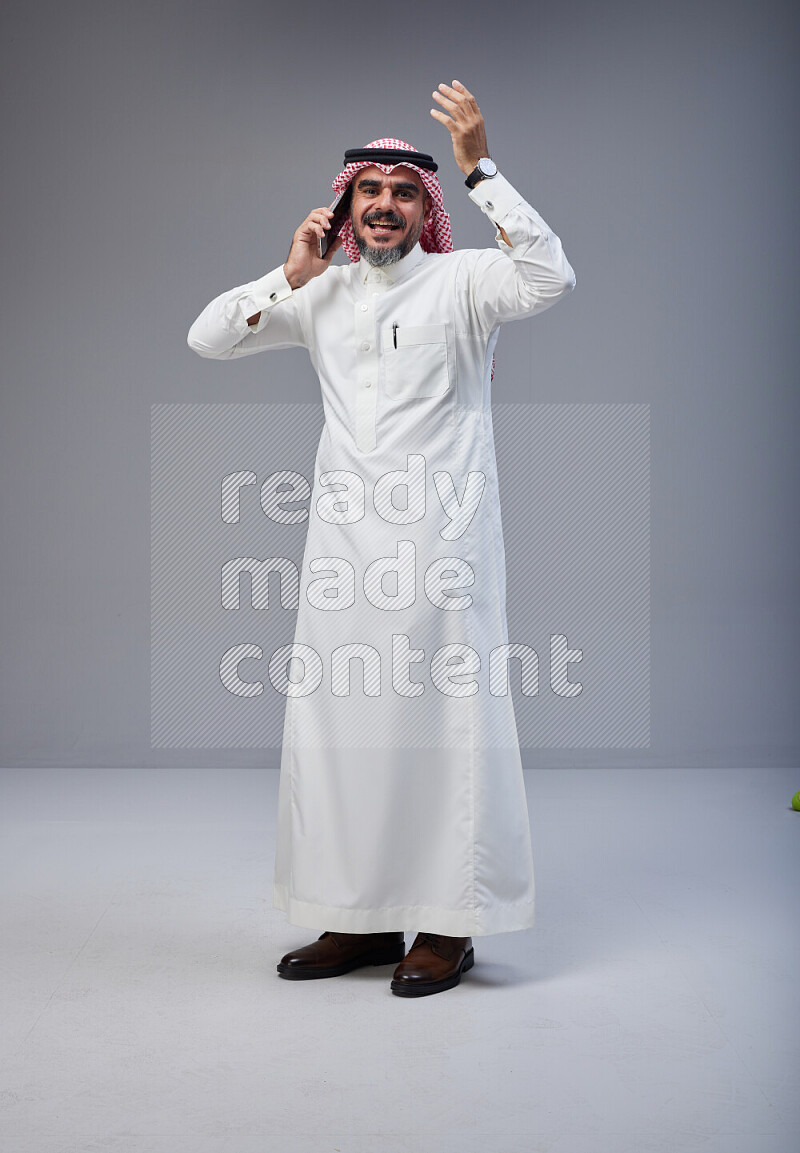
(455, 110)
(464, 114)
(464, 91)
(456, 99)
(440, 99)
(448, 121)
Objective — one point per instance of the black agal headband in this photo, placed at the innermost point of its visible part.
(390, 156)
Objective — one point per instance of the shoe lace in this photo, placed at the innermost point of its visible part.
(434, 940)
(428, 938)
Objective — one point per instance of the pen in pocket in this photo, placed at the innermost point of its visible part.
(394, 334)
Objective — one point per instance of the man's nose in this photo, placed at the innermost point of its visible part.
(386, 200)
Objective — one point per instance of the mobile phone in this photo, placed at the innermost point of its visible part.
(341, 208)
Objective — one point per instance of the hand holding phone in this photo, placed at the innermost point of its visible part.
(304, 261)
(341, 210)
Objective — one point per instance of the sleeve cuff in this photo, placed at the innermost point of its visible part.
(263, 295)
(496, 197)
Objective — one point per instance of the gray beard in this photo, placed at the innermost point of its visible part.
(381, 257)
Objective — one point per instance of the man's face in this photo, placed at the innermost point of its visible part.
(388, 212)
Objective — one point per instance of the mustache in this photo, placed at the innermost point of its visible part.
(383, 218)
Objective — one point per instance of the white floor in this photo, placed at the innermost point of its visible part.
(653, 1007)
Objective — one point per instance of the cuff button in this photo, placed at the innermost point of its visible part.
(273, 296)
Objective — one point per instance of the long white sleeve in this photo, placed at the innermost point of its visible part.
(522, 278)
(221, 330)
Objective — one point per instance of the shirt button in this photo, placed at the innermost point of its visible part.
(365, 346)
(364, 307)
(367, 384)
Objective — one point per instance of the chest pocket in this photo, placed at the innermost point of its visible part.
(421, 364)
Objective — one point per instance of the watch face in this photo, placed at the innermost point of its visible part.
(487, 166)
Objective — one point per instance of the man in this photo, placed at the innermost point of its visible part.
(401, 799)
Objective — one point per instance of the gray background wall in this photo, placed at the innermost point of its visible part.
(156, 154)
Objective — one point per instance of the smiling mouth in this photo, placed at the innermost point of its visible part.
(382, 228)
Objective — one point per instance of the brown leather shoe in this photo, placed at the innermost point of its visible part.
(432, 964)
(335, 953)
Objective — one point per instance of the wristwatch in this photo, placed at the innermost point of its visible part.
(485, 169)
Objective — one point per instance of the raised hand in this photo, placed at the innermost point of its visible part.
(303, 262)
(462, 119)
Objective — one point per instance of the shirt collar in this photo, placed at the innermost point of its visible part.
(366, 274)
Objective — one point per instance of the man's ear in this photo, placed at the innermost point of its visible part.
(428, 207)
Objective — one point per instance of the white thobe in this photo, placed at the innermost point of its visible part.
(401, 801)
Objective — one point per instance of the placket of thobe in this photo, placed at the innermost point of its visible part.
(367, 364)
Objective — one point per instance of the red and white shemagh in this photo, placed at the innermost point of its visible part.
(436, 235)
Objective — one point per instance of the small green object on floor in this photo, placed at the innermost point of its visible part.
(796, 802)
